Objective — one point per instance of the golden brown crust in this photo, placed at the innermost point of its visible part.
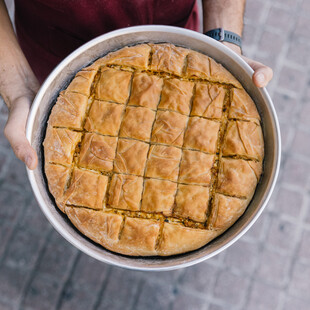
(137, 123)
(245, 139)
(104, 117)
(176, 95)
(168, 58)
(242, 106)
(201, 134)
(82, 82)
(69, 110)
(146, 90)
(139, 237)
(163, 162)
(196, 167)
(204, 67)
(208, 101)
(131, 157)
(58, 177)
(178, 239)
(152, 150)
(132, 56)
(87, 189)
(158, 196)
(59, 145)
(125, 192)
(101, 227)
(192, 202)
(169, 128)
(97, 152)
(228, 210)
(113, 85)
(236, 178)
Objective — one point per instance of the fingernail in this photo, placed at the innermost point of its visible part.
(260, 78)
(28, 161)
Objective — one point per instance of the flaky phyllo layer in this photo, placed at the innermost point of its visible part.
(153, 150)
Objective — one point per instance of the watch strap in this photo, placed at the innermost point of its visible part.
(220, 34)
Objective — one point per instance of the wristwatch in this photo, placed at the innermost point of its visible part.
(221, 35)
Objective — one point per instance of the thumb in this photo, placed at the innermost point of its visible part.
(15, 132)
(262, 74)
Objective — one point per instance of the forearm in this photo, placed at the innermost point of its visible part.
(16, 77)
(227, 14)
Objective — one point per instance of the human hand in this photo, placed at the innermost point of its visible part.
(15, 129)
(262, 74)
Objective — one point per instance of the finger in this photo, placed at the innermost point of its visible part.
(15, 133)
(262, 74)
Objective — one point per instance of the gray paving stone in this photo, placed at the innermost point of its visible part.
(273, 267)
(296, 172)
(42, 293)
(12, 283)
(292, 79)
(279, 18)
(186, 301)
(282, 234)
(300, 281)
(121, 290)
(57, 258)
(263, 297)
(199, 278)
(154, 296)
(243, 256)
(231, 288)
(295, 303)
(289, 202)
(304, 247)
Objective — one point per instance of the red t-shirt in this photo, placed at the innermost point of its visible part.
(49, 30)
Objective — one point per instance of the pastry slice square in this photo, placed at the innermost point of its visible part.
(87, 189)
(139, 236)
(82, 82)
(58, 177)
(113, 85)
(158, 196)
(245, 139)
(236, 177)
(145, 90)
(242, 106)
(137, 123)
(225, 211)
(104, 117)
(69, 110)
(131, 157)
(169, 128)
(176, 95)
(163, 162)
(60, 144)
(208, 101)
(192, 202)
(125, 192)
(168, 58)
(97, 152)
(196, 167)
(202, 134)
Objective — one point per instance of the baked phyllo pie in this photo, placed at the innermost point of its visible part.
(153, 149)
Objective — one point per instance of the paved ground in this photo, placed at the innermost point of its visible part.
(269, 268)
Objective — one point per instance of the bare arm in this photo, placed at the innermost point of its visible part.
(18, 86)
(228, 14)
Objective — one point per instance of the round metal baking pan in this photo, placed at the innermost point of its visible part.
(86, 54)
